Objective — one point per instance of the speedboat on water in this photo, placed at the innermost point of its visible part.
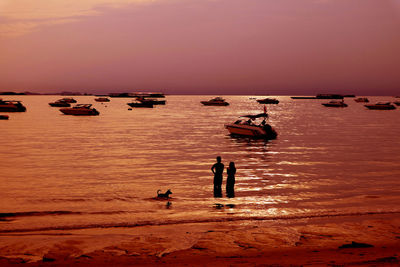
(361, 99)
(68, 100)
(249, 126)
(139, 104)
(102, 99)
(60, 103)
(80, 110)
(268, 101)
(381, 106)
(11, 106)
(153, 101)
(218, 101)
(335, 104)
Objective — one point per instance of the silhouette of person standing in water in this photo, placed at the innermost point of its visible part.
(230, 181)
(218, 169)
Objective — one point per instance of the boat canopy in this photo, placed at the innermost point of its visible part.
(261, 115)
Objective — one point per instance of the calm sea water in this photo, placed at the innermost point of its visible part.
(68, 172)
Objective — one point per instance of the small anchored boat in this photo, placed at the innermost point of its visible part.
(80, 110)
(11, 106)
(102, 99)
(60, 103)
(68, 100)
(218, 101)
(139, 104)
(268, 101)
(381, 106)
(361, 100)
(335, 104)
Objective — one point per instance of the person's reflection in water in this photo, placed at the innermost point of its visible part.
(230, 181)
(218, 169)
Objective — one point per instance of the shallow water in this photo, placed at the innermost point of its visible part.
(71, 172)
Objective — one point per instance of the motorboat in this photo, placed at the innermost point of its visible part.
(268, 101)
(249, 126)
(3, 117)
(11, 106)
(80, 110)
(139, 104)
(335, 104)
(218, 101)
(102, 99)
(153, 101)
(68, 100)
(60, 103)
(381, 106)
(361, 99)
(329, 96)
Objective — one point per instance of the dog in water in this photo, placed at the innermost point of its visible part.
(164, 195)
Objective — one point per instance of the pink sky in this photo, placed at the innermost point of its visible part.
(201, 46)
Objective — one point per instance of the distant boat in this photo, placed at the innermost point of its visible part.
(60, 103)
(218, 101)
(362, 99)
(68, 100)
(251, 128)
(322, 96)
(3, 117)
(335, 104)
(397, 103)
(329, 96)
(11, 106)
(102, 99)
(152, 101)
(381, 106)
(268, 101)
(139, 104)
(80, 110)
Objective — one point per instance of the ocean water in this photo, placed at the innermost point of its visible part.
(71, 172)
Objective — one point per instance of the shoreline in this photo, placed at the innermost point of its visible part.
(312, 241)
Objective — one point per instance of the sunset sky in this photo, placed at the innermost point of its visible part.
(201, 46)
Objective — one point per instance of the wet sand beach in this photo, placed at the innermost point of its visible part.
(367, 240)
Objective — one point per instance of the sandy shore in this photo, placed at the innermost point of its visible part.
(315, 242)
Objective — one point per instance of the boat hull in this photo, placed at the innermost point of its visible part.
(335, 105)
(251, 131)
(79, 112)
(140, 105)
(102, 99)
(268, 101)
(55, 104)
(12, 108)
(206, 103)
(382, 107)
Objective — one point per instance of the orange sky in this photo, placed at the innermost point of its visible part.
(201, 46)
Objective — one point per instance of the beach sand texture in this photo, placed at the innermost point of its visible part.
(307, 242)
